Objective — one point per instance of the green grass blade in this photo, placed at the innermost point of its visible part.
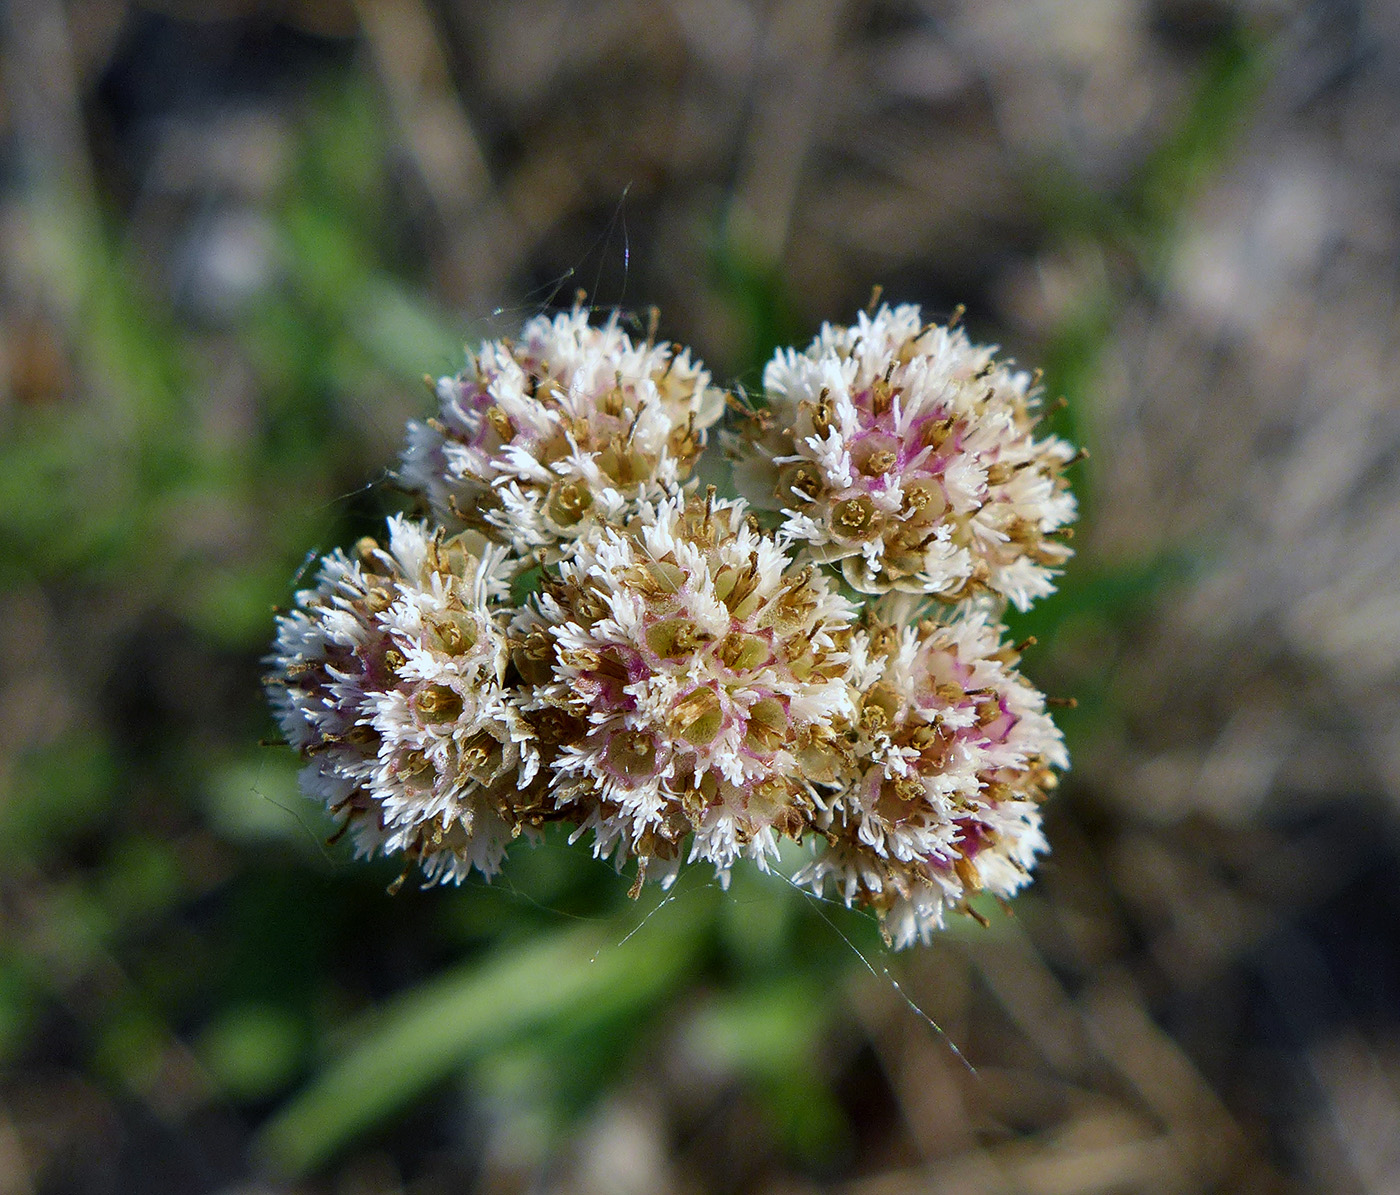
(428, 1034)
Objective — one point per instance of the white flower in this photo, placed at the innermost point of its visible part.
(388, 677)
(542, 438)
(906, 453)
(942, 774)
(683, 684)
(702, 668)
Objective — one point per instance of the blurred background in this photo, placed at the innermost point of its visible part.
(234, 235)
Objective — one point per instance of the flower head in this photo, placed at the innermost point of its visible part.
(941, 773)
(906, 453)
(681, 679)
(539, 439)
(699, 665)
(388, 678)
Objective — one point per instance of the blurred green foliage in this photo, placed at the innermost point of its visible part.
(574, 980)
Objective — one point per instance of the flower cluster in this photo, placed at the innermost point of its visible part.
(578, 634)
(539, 440)
(700, 663)
(941, 773)
(390, 677)
(905, 453)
